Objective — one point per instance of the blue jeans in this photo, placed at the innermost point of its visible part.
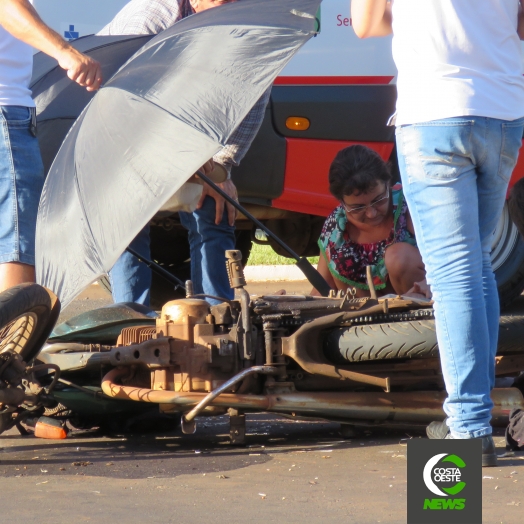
(131, 280)
(208, 243)
(455, 174)
(21, 183)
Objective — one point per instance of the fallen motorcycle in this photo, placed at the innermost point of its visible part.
(371, 361)
(358, 361)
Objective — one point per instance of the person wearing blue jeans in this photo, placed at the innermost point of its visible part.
(21, 168)
(208, 242)
(211, 225)
(455, 202)
(130, 279)
(460, 123)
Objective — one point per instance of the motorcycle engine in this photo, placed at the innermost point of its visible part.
(201, 353)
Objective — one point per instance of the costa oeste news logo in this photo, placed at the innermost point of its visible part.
(449, 471)
(444, 481)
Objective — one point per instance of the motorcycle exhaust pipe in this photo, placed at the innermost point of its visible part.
(416, 407)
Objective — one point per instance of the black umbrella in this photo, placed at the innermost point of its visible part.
(171, 107)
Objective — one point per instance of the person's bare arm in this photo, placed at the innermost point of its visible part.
(409, 223)
(520, 25)
(19, 18)
(371, 18)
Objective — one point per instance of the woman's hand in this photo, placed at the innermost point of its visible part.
(420, 290)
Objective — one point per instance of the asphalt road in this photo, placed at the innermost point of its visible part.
(289, 472)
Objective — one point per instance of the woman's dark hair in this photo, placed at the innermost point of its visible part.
(516, 205)
(356, 169)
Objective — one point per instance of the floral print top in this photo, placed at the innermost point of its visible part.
(348, 260)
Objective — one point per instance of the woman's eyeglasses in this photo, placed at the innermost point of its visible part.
(360, 211)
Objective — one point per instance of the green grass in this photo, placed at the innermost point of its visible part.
(265, 256)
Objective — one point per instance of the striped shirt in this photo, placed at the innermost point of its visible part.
(140, 17)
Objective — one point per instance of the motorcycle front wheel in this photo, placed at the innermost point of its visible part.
(28, 313)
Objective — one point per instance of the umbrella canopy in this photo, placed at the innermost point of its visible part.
(169, 109)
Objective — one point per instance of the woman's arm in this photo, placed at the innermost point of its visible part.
(19, 18)
(409, 224)
(371, 18)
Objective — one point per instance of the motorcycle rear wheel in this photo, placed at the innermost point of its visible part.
(28, 313)
(413, 339)
(392, 340)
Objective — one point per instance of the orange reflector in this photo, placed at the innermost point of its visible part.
(49, 428)
(298, 123)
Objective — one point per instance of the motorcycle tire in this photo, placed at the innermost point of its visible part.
(406, 340)
(28, 313)
(394, 340)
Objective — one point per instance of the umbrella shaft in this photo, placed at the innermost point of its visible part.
(158, 269)
(247, 214)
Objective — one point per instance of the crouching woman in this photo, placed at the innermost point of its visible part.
(370, 227)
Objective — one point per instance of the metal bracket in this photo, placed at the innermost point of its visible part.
(152, 353)
(188, 426)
